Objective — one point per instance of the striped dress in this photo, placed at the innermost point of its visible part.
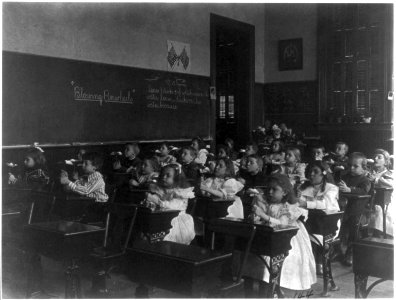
(93, 187)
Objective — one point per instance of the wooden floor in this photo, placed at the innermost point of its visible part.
(13, 282)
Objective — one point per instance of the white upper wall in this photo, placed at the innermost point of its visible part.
(289, 21)
(129, 34)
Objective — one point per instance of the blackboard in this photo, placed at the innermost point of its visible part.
(54, 100)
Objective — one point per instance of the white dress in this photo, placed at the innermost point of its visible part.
(324, 200)
(229, 188)
(299, 270)
(383, 179)
(182, 230)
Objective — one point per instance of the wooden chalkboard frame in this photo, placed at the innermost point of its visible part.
(11, 84)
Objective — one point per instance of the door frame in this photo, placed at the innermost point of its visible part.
(249, 30)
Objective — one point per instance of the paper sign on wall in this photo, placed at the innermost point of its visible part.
(179, 57)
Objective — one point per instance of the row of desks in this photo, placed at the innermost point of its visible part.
(68, 240)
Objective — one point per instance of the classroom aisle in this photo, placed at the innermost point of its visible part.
(121, 287)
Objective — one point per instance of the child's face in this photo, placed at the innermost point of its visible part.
(252, 166)
(341, 150)
(250, 150)
(212, 166)
(168, 177)
(164, 150)
(29, 162)
(275, 147)
(195, 145)
(80, 154)
(379, 161)
(276, 193)
(129, 152)
(186, 156)
(88, 167)
(222, 153)
(290, 157)
(147, 168)
(316, 175)
(356, 166)
(283, 127)
(220, 169)
(277, 133)
(318, 153)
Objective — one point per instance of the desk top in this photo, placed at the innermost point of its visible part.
(65, 228)
(376, 242)
(179, 252)
(354, 196)
(261, 225)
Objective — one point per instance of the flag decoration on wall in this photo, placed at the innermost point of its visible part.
(179, 57)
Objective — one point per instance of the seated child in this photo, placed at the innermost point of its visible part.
(251, 148)
(277, 154)
(318, 153)
(232, 153)
(338, 160)
(35, 173)
(294, 169)
(94, 187)
(280, 207)
(149, 173)
(190, 169)
(356, 182)
(254, 175)
(224, 152)
(199, 145)
(381, 177)
(171, 192)
(224, 186)
(164, 157)
(318, 193)
(131, 163)
(210, 166)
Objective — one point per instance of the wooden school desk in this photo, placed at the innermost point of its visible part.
(382, 197)
(186, 269)
(371, 257)
(269, 241)
(324, 223)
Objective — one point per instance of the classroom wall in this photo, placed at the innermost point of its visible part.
(129, 34)
(291, 88)
(289, 21)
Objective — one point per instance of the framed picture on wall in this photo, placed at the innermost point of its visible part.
(290, 54)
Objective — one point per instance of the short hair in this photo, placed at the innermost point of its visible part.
(318, 147)
(166, 144)
(154, 163)
(284, 182)
(253, 144)
(259, 160)
(95, 158)
(135, 147)
(296, 152)
(385, 154)
(343, 143)
(192, 151)
(281, 145)
(179, 179)
(229, 141)
(230, 170)
(225, 148)
(359, 155)
(201, 143)
(38, 157)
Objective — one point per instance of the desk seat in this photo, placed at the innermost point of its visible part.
(186, 269)
(372, 257)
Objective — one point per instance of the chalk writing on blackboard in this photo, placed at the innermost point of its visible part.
(80, 94)
(169, 93)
